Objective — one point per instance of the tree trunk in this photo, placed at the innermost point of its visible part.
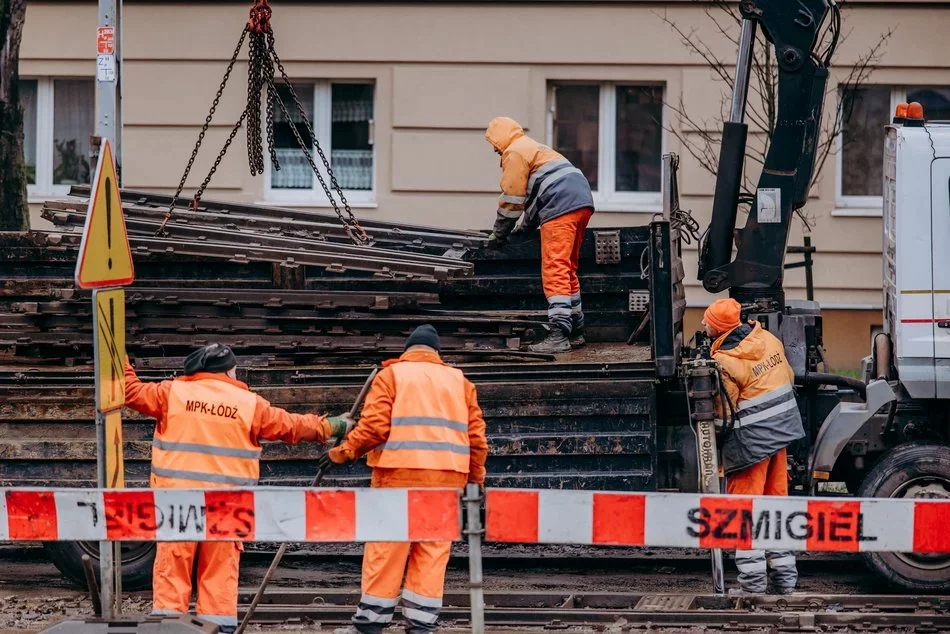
(14, 213)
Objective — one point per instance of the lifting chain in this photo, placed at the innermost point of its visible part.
(262, 58)
(350, 223)
(201, 137)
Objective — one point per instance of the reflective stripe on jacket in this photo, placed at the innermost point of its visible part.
(429, 424)
(209, 427)
(536, 180)
(207, 438)
(759, 382)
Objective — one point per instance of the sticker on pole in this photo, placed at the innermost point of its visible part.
(105, 40)
(105, 258)
(109, 324)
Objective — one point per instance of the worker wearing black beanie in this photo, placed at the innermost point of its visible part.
(208, 434)
(424, 336)
(214, 357)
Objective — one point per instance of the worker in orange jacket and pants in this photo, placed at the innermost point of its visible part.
(422, 427)
(760, 385)
(208, 433)
(552, 194)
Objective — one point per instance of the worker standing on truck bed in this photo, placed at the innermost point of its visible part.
(422, 427)
(208, 433)
(554, 195)
(759, 382)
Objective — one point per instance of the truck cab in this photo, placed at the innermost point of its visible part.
(916, 256)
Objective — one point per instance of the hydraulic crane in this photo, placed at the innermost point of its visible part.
(755, 275)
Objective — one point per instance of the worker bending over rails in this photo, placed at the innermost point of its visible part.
(759, 382)
(208, 433)
(552, 194)
(421, 426)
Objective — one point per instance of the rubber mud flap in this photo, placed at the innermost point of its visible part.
(137, 560)
(912, 470)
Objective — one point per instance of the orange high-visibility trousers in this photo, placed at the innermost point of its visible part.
(758, 568)
(561, 241)
(218, 564)
(384, 564)
(768, 477)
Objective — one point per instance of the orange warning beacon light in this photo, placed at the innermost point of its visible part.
(901, 111)
(915, 110)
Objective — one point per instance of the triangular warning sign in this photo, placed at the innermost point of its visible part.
(105, 258)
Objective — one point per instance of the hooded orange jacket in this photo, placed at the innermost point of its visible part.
(760, 384)
(375, 428)
(535, 180)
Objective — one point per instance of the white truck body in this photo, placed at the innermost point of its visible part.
(916, 256)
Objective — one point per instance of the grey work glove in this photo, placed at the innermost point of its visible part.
(341, 425)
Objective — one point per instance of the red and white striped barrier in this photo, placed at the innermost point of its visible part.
(261, 515)
(725, 521)
(512, 515)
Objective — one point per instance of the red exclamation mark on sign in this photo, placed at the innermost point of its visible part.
(109, 218)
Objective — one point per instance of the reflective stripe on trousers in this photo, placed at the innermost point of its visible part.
(218, 564)
(384, 564)
(758, 567)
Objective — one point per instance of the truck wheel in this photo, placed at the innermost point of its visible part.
(137, 559)
(915, 470)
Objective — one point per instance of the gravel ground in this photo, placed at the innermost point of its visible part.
(33, 594)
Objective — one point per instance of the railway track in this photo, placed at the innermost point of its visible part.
(561, 610)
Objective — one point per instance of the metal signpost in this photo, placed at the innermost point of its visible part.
(108, 305)
(105, 262)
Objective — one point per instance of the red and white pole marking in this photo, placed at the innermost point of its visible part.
(261, 514)
(724, 521)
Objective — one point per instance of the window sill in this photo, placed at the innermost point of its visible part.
(857, 212)
(628, 206)
(317, 204)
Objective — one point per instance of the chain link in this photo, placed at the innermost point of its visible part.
(350, 223)
(204, 130)
(262, 58)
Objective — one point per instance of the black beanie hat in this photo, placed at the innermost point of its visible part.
(424, 336)
(212, 358)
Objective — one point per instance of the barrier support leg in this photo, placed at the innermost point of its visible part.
(474, 531)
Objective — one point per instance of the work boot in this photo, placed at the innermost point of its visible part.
(352, 629)
(577, 338)
(739, 592)
(555, 342)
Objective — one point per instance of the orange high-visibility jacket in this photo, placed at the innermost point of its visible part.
(421, 424)
(535, 180)
(759, 382)
(209, 428)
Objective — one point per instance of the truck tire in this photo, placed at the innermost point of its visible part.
(912, 470)
(137, 559)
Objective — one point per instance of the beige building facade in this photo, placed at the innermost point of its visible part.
(400, 94)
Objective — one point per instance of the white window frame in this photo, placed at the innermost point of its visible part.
(45, 99)
(322, 127)
(606, 198)
(860, 206)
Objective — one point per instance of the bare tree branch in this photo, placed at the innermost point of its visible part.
(697, 136)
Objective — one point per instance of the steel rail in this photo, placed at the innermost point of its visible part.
(161, 200)
(398, 267)
(803, 612)
(254, 238)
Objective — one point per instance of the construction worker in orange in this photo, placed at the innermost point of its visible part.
(549, 192)
(208, 433)
(421, 426)
(759, 382)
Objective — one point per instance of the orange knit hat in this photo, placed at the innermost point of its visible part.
(723, 315)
